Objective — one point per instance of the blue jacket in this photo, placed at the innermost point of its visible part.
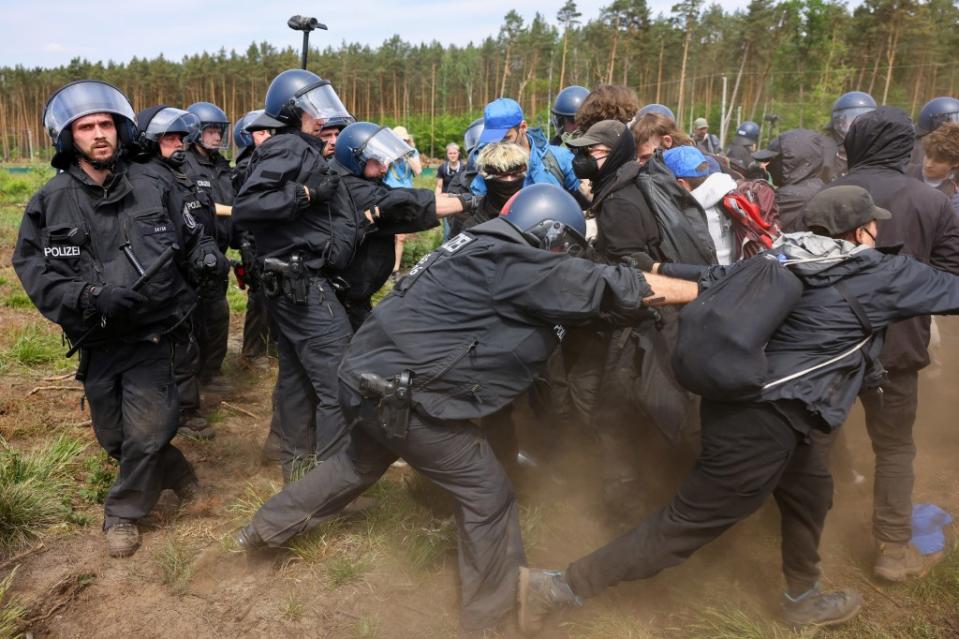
(537, 171)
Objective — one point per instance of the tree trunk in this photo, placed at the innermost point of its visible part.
(562, 60)
(739, 77)
(682, 70)
(659, 73)
(891, 57)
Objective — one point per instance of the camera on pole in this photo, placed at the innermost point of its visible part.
(305, 24)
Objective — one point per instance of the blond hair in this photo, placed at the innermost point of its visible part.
(501, 157)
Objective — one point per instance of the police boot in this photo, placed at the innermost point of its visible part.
(899, 562)
(817, 608)
(248, 539)
(123, 539)
(196, 427)
(541, 592)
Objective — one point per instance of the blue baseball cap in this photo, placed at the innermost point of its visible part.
(499, 116)
(686, 161)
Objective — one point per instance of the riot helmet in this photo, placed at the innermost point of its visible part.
(548, 217)
(160, 120)
(566, 105)
(748, 131)
(472, 135)
(81, 98)
(361, 142)
(211, 117)
(297, 91)
(662, 109)
(847, 108)
(937, 112)
(241, 135)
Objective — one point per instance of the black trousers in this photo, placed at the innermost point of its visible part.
(889, 420)
(258, 339)
(133, 403)
(455, 456)
(749, 452)
(186, 364)
(311, 340)
(212, 327)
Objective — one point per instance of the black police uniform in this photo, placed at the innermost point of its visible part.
(213, 175)
(70, 245)
(475, 321)
(300, 239)
(196, 211)
(399, 210)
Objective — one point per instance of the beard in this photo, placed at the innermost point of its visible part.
(101, 156)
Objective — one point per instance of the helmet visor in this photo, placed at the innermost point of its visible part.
(212, 136)
(385, 147)
(172, 120)
(83, 98)
(942, 118)
(842, 120)
(556, 237)
(322, 103)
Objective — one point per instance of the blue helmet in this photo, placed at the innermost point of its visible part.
(210, 115)
(749, 130)
(296, 91)
(361, 142)
(241, 137)
(548, 216)
(847, 108)
(81, 98)
(661, 109)
(569, 100)
(472, 135)
(937, 112)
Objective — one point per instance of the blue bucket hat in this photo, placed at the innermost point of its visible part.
(499, 116)
(686, 162)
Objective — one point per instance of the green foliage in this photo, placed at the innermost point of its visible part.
(366, 627)
(17, 299)
(17, 188)
(36, 345)
(35, 490)
(420, 244)
(236, 299)
(12, 614)
(101, 471)
(174, 560)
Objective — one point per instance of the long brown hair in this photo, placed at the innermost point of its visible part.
(607, 102)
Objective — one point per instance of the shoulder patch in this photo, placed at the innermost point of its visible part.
(188, 218)
(456, 243)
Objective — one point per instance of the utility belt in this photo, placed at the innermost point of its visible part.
(394, 400)
(292, 279)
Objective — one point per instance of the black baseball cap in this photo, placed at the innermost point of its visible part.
(840, 209)
(606, 132)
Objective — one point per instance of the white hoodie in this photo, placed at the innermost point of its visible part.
(710, 194)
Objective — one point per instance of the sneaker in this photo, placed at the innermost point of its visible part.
(899, 562)
(248, 539)
(539, 593)
(817, 608)
(197, 428)
(123, 539)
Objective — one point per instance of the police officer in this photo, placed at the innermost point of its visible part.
(331, 130)
(160, 148)
(845, 110)
(212, 173)
(741, 147)
(364, 152)
(305, 229)
(662, 109)
(460, 337)
(564, 111)
(85, 238)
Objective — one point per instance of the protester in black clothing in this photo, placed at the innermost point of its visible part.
(473, 325)
(794, 164)
(503, 166)
(816, 363)
(84, 238)
(878, 147)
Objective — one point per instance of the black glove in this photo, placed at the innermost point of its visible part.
(114, 301)
(640, 260)
(469, 201)
(210, 264)
(322, 187)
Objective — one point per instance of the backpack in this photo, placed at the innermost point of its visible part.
(752, 208)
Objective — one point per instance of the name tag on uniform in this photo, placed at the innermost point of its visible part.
(203, 184)
(62, 251)
(457, 243)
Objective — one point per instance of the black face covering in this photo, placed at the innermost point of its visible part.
(176, 158)
(585, 166)
(498, 192)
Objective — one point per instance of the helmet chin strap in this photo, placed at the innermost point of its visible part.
(176, 159)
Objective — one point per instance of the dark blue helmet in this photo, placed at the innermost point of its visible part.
(749, 130)
(296, 91)
(937, 112)
(361, 142)
(210, 115)
(85, 97)
(241, 137)
(548, 216)
(472, 135)
(661, 109)
(847, 108)
(569, 100)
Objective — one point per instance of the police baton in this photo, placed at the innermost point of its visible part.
(305, 24)
(141, 281)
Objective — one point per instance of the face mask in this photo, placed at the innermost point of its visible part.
(176, 158)
(585, 166)
(499, 191)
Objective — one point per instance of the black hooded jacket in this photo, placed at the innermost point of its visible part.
(878, 147)
(795, 171)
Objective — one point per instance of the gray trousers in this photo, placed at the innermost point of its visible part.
(455, 456)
